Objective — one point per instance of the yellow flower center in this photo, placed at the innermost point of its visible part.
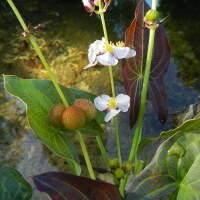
(112, 103)
(108, 47)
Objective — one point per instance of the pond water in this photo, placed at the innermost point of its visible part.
(69, 31)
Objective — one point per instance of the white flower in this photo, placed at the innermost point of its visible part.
(112, 105)
(107, 53)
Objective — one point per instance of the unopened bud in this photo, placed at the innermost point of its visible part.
(89, 5)
(107, 1)
(152, 15)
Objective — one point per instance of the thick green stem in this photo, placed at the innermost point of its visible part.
(86, 156)
(115, 121)
(43, 60)
(138, 130)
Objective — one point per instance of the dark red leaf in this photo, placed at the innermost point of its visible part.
(133, 68)
(62, 186)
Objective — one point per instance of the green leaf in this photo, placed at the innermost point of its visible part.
(174, 170)
(188, 124)
(39, 97)
(13, 186)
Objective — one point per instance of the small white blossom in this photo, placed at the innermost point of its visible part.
(113, 106)
(107, 53)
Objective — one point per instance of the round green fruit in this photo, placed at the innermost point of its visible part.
(87, 107)
(55, 115)
(152, 15)
(114, 163)
(73, 118)
(127, 166)
(119, 173)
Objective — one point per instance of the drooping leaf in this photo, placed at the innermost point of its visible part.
(133, 68)
(39, 97)
(187, 125)
(191, 112)
(174, 170)
(64, 186)
(13, 186)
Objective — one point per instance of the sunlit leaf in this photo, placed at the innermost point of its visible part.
(13, 186)
(64, 186)
(174, 170)
(39, 97)
(133, 68)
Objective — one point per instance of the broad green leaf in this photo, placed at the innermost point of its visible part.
(174, 170)
(189, 124)
(39, 97)
(13, 186)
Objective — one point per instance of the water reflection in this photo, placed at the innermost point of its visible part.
(183, 27)
(69, 32)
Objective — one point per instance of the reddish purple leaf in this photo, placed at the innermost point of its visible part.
(133, 68)
(64, 186)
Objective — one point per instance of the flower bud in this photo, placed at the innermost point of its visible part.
(89, 5)
(107, 1)
(152, 15)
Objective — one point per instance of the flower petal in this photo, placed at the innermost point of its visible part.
(101, 102)
(91, 65)
(107, 59)
(131, 53)
(120, 52)
(94, 49)
(111, 114)
(123, 102)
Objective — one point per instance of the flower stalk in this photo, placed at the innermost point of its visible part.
(43, 60)
(138, 130)
(115, 121)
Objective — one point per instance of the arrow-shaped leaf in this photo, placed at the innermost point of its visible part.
(64, 186)
(133, 68)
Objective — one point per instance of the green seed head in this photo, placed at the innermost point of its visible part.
(152, 15)
(114, 163)
(127, 166)
(119, 173)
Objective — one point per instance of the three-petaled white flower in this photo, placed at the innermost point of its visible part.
(107, 53)
(113, 106)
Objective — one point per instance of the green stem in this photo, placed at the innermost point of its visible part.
(43, 60)
(154, 2)
(86, 156)
(112, 88)
(102, 149)
(138, 130)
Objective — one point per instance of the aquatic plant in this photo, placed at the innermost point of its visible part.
(55, 111)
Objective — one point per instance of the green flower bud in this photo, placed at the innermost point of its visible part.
(119, 173)
(114, 163)
(127, 166)
(152, 15)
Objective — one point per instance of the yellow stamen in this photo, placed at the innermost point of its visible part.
(108, 47)
(112, 103)
(120, 44)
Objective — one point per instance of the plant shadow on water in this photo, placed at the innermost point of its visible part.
(69, 31)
